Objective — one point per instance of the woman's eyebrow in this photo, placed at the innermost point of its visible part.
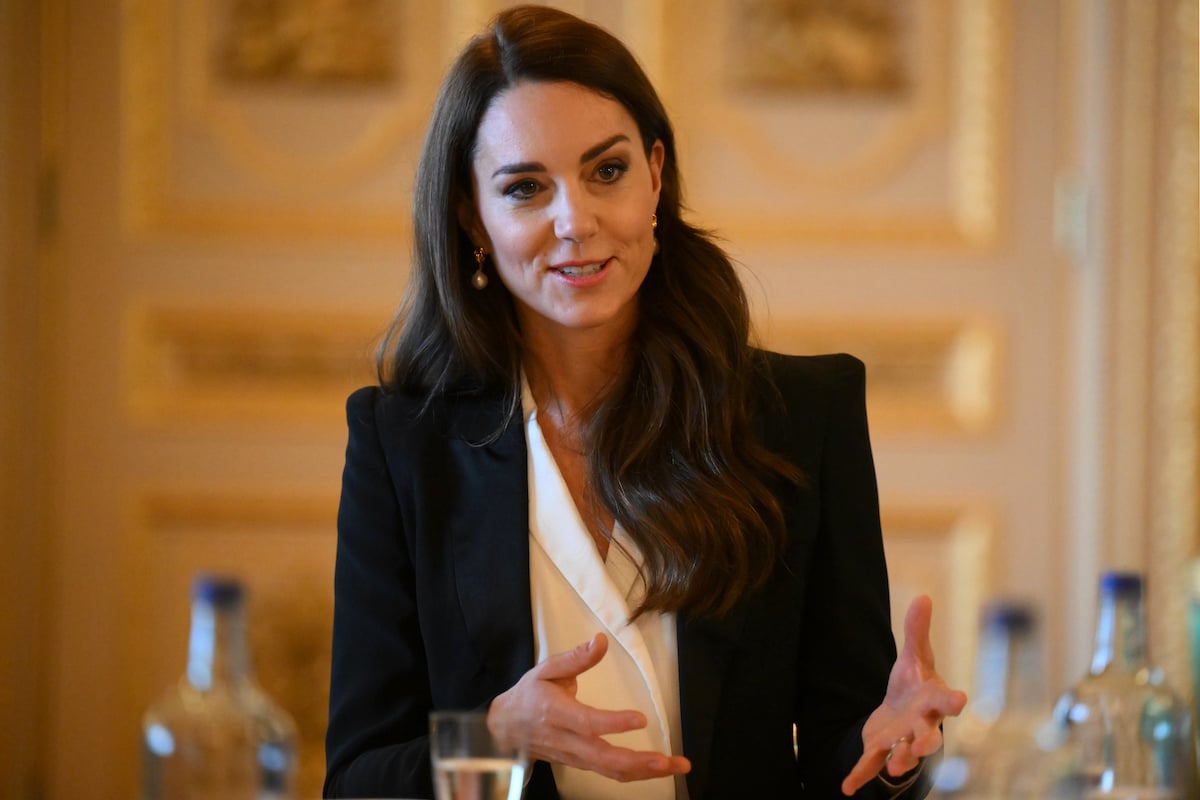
(537, 166)
(523, 166)
(592, 152)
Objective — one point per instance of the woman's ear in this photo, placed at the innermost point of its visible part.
(657, 155)
(468, 219)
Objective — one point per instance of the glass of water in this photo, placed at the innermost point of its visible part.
(469, 763)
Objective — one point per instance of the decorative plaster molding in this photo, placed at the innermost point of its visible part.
(941, 549)
(933, 375)
(255, 365)
(940, 142)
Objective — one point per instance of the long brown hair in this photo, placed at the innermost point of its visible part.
(672, 453)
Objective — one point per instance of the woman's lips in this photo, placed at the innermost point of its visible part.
(580, 273)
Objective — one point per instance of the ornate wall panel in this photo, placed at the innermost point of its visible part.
(936, 375)
(941, 550)
(876, 121)
(881, 125)
(190, 364)
(281, 544)
(289, 118)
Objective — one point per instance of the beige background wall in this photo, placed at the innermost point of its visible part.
(1003, 225)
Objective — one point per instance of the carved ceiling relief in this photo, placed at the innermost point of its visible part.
(820, 46)
(306, 41)
(884, 113)
(270, 117)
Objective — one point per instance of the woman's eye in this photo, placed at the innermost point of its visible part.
(611, 172)
(521, 190)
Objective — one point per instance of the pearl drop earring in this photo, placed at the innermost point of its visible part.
(480, 279)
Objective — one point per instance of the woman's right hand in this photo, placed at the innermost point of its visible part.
(562, 730)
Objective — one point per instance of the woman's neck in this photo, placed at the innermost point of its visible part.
(569, 373)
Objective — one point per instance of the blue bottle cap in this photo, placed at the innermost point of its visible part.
(1117, 582)
(1010, 615)
(220, 590)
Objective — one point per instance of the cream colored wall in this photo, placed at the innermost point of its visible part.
(195, 354)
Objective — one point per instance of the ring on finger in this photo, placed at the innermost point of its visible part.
(892, 749)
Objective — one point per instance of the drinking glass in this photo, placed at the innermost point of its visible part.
(469, 763)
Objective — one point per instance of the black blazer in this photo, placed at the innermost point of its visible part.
(432, 605)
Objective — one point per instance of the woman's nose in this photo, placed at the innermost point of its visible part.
(574, 217)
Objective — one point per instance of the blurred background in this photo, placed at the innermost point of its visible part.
(204, 225)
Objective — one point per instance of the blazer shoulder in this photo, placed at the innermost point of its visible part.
(374, 406)
(361, 403)
(475, 416)
(812, 376)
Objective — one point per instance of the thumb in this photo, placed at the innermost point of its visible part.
(571, 663)
(916, 630)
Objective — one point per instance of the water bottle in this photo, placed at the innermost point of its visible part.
(1194, 638)
(215, 734)
(1124, 732)
(996, 735)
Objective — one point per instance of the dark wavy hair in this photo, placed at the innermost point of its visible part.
(671, 450)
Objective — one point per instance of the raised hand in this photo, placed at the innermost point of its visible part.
(562, 730)
(907, 725)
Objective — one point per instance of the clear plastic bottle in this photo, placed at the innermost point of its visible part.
(1123, 733)
(996, 735)
(215, 734)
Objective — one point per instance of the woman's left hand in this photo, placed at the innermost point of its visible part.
(907, 726)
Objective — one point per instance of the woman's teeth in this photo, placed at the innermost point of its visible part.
(582, 272)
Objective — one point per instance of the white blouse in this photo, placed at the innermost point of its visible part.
(575, 593)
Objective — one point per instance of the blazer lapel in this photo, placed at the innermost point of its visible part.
(491, 536)
(491, 566)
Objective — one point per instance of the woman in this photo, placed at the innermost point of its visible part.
(583, 502)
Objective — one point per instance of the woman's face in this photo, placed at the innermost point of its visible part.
(564, 195)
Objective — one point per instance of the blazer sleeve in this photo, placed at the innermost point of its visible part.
(377, 740)
(846, 636)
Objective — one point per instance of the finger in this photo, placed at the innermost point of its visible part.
(926, 725)
(865, 770)
(575, 661)
(927, 743)
(648, 766)
(935, 701)
(591, 721)
(936, 706)
(617, 763)
(900, 759)
(601, 722)
(949, 702)
(916, 630)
